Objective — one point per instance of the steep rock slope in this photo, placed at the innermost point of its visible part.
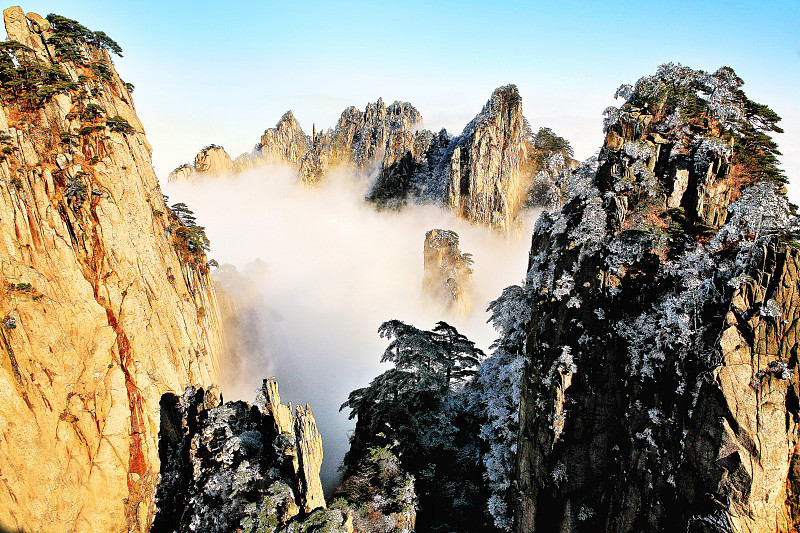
(285, 143)
(105, 301)
(660, 384)
(237, 467)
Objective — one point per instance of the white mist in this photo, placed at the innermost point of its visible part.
(319, 270)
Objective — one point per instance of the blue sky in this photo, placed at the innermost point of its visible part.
(205, 73)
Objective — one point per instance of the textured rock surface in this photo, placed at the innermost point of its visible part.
(182, 173)
(361, 136)
(237, 467)
(102, 310)
(358, 140)
(483, 183)
(213, 160)
(412, 169)
(284, 144)
(316, 160)
(478, 174)
(660, 383)
(447, 277)
(303, 430)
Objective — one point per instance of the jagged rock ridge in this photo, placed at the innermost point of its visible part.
(105, 301)
(485, 174)
(660, 384)
(240, 467)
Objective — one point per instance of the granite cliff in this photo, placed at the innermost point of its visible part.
(105, 300)
(657, 324)
(660, 389)
(108, 313)
(646, 373)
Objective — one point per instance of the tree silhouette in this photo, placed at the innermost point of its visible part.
(398, 404)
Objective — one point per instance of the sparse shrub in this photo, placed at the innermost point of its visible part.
(379, 494)
(92, 111)
(190, 241)
(75, 194)
(119, 124)
(67, 137)
(24, 79)
(91, 128)
(102, 70)
(67, 33)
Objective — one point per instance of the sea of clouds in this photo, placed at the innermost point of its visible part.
(314, 272)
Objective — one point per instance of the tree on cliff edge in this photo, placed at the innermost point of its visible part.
(427, 364)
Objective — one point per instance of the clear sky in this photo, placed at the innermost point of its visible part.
(207, 73)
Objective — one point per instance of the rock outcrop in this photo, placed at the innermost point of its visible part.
(237, 467)
(483, 182)
(660, 390)
(413, 169)
(105, 301)
(447, 277)
(212, 160)
(358, 140)
(360, 137)
(316, 161)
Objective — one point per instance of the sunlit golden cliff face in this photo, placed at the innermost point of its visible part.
(105, 301)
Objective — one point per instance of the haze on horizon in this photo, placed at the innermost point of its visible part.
(210, 74)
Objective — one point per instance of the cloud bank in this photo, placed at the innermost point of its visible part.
(314, 272)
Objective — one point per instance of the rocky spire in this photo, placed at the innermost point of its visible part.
(478, 174)
(284, 144)
(483, 183)
(447, 278)
(240, 467)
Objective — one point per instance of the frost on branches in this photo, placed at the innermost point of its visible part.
(760, 211)
(497, 393)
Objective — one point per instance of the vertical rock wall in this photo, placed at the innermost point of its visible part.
(102, 308)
